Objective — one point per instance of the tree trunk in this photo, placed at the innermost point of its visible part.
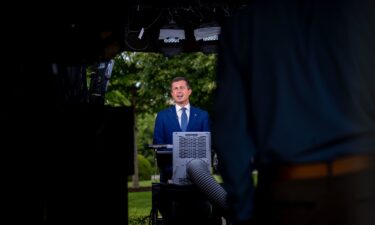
(135, 177)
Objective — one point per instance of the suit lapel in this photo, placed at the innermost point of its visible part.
(174, 118)
(192, 119)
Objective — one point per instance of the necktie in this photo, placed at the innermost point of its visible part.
(184, 119)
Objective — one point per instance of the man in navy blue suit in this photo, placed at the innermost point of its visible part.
(169, 120)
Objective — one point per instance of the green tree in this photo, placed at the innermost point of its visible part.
(158, 71)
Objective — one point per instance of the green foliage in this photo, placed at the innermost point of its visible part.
(123, 80)
(145, 128)
(158, 73)
(144, 79)
(145, 168)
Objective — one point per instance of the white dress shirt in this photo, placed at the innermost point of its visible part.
(179, 112)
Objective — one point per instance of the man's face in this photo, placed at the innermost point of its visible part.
(180, 92)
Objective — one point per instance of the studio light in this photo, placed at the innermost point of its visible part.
(207, 35)
(172, 35)
(171, 38)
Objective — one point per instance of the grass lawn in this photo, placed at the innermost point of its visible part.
(143, 183)
(139, 207)
(139, 204)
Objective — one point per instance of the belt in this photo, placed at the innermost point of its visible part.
(336, 167)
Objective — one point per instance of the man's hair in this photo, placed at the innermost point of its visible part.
(176, 79)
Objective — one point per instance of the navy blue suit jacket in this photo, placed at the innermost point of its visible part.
(167, 122)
